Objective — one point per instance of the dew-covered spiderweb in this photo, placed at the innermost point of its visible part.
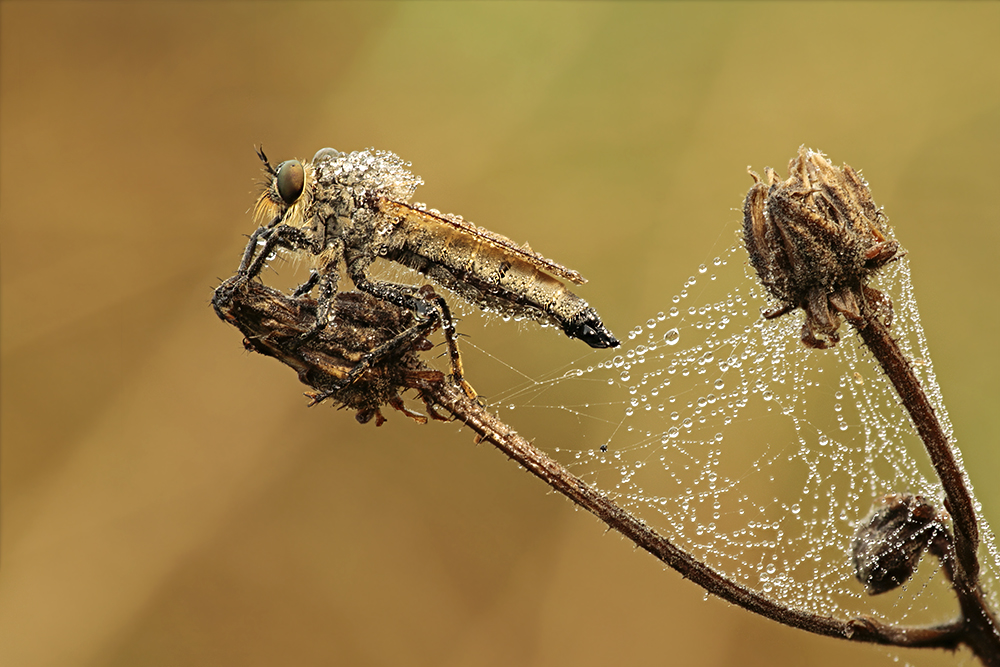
(755, 454)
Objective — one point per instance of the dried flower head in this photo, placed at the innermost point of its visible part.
(273, 324)
(888, 544)
(814, 240)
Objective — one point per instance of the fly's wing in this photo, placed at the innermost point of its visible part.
(410, 215)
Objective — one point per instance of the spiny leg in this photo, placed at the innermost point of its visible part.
(327, 277)
(402, 341)
(428, 305)
(255, 256)
(306, 287)
(451, 338)
(251, 249)
(283, 236)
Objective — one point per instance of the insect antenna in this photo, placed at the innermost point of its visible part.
(267, 165)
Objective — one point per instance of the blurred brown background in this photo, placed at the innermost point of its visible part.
(168, 499)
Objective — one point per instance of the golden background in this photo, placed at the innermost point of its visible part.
(168, 499)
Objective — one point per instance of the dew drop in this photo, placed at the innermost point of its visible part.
(671, 337)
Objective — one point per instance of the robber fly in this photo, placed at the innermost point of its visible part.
(353, 208)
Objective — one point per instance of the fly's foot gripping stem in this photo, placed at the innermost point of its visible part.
(443, 314)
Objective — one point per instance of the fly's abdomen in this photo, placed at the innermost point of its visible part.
(484, 271)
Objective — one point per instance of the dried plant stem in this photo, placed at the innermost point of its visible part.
(899, 371)
(493, 430)
(983, 628)
(274, 325)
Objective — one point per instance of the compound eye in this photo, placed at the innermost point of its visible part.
(325, 154)
(291, 179)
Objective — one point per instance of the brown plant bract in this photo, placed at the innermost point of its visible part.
(888, 544)
(814, 240)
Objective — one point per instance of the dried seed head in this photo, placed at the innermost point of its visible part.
(888, 544)
(274, 324)
(814, 240)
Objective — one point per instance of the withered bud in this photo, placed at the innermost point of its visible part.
(888, 544)
(814, 240)
(273, 324)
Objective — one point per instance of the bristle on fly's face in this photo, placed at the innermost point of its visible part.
(266, 208)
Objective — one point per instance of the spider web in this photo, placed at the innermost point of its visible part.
(755, 454)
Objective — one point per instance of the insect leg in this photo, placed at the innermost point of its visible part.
(326, 277)
(397, 344)
(451, 338)
(307, 286)
(428, 305)
(283, 236)
(248, 252)
(255, 256)
(329, 276)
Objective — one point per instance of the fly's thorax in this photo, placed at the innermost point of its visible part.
(348, 189)
(354, 180)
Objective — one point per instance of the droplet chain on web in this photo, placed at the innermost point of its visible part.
(758, 455)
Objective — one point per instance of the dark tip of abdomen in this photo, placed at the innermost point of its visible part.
(592, 332)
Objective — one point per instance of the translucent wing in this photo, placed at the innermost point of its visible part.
(445, 225)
